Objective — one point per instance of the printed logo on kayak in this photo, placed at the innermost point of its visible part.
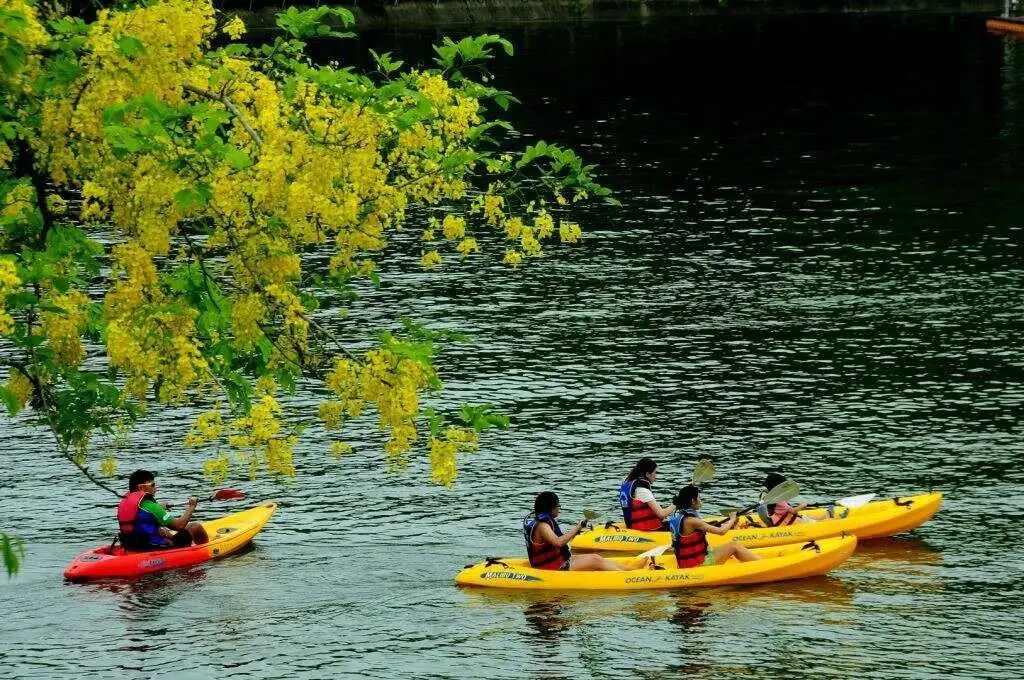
(667, 578)
(753, 537)
(511, 575)
(622, 539)
(155, 562)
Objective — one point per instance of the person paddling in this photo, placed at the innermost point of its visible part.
(144, 524)
(782, 513)
(640, 509)
(689, 534)
(548, 548)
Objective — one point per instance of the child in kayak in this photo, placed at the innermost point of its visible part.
(782, 513)
(548, 548)
(640, 509)
(689, 540)
(147, 525)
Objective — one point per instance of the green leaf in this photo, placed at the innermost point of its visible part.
(237, 158)
(129, 46)
(193, 197)
(482, 417)
(9, 400)
(12, 551)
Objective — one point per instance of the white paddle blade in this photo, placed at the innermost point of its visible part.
(654, 552)
(785, 491)
(703, 471)
(856, 501)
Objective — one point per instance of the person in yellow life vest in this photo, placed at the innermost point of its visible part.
(548, 547)
(689, 534)
(640, 509)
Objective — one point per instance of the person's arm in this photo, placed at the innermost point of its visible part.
(701, 525)
(647, 496)
(165, 518)
(547, 534)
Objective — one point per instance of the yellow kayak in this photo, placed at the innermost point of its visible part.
(780, 563)
(873, 520)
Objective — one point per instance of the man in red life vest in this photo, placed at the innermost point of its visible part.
(146, 524)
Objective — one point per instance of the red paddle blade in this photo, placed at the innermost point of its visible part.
(227, 495)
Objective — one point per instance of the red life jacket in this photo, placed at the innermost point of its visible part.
(136, 534)
(128, 510)
(637, 514)
(782, 517)
(691, 549)
(544, 555)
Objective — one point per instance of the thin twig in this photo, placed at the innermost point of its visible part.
(230, 105)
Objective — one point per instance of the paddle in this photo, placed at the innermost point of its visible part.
(654, 552)
(703, 471)
(848, 502)
(221, 495)
(227, 495)
(783, 491)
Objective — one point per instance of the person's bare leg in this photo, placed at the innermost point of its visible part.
(199, 535)
(733, 549)
(594, 563)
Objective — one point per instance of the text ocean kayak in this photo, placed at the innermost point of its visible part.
(227, 535)
(873, 520)
(779, 563)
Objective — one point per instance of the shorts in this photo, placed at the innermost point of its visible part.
(709, 560)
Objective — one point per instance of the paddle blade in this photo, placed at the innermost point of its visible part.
(703, 471)
(591, 515)
(784, 491)
(227, 495)
(654, 552)
(856, 501)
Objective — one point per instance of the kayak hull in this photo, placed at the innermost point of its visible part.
(227, 534)
(872, 520)
(777, 563)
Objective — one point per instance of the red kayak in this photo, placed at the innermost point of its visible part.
(227, 535)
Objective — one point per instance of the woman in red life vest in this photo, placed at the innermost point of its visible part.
(782, 513)
(548, 548)
(689, 534)
(146, 524)
(640, 509)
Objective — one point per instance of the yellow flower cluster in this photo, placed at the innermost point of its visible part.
(63, 329)
(19, 386)
(569, 232)
(217, 469)
(389, 382)
(261, 432)
(108, 467)
(339, 449)
(235, 28)
(444, 453)
(208, 427)
(430, 259)
(9, 283)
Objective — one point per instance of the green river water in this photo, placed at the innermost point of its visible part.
(817, 268)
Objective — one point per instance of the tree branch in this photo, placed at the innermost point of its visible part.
(230, 105)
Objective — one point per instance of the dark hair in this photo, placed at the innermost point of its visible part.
(139, 477)
(642, 467)
(773, 480)
(545, 503)
(686, 496)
